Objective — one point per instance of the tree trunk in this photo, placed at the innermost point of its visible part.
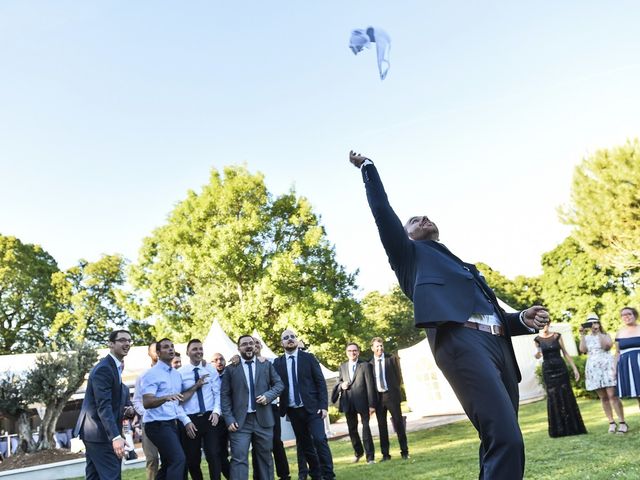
(48, 426)
(25, 435)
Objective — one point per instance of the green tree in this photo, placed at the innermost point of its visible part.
(573, 285)
(236, 252)
(14, 405)
(519, 293)
(390, 316)
(27, 306)
(605, 207)
(92, 301)
(54, 379)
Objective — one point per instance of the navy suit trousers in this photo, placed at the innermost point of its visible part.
(102, 463)
(165, 436)
(481, 371)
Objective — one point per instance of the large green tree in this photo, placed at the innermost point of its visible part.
(92, 301)
(253, 260)
(605, 207)
(573, 285)
(390, 316)
(27, 305)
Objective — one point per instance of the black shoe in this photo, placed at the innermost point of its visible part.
(385, 458)
(405, 456)
(356, 458)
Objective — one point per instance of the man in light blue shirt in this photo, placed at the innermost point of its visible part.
(161, 397)
(201, 402)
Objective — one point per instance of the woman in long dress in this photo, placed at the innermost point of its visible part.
(562, 408)
(628, 355)
(599, 371)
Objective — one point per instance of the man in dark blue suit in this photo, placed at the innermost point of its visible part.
(305, 400)
(469, 334)
(100, 421)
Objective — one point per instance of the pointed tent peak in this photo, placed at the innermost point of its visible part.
(266, 351)
(218, 341)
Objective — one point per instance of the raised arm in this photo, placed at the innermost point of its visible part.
(396, 243)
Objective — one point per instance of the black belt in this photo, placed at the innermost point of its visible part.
(200, 414)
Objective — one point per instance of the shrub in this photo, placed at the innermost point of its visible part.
(334, 414)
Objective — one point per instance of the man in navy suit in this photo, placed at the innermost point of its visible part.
(100, 421)
(305, 400)
(357, 393)
(469, 334)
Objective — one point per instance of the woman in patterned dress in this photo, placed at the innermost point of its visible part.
(600, 370)
(628, 355)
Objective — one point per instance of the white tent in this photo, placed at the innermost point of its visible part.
(266, 352)
(429, 393)
(218, 342)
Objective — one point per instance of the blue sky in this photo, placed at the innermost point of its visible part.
(111, 111)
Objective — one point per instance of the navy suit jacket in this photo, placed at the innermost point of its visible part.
(311, 383)
(441, 286)
(103, 406)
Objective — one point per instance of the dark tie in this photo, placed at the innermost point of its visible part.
(196, 377)
(252, 388)
(294, 377)
(383, 384)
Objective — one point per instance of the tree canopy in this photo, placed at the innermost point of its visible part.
(605, 207)
(27, 304)
(253, 260)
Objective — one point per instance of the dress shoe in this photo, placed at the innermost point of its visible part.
(385, 458)
(405, 456)
(356, 458)
(371, 462)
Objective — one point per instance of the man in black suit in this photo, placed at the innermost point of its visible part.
(100, 421)
(357, 392)
(304, 399)
(247, 392)
(388, 379)
(469, 334)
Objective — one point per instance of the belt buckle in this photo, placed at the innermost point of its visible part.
(495, 329)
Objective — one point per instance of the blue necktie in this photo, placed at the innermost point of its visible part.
(294, 377)
(252, 388)
(196, 377)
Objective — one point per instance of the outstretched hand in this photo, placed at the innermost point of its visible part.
(356, 159)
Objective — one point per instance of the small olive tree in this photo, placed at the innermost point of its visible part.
(13, 404)
(55, 378)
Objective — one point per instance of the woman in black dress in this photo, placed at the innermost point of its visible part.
(562, 408)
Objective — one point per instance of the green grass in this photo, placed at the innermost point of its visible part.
(451, 451)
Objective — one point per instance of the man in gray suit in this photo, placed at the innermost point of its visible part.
(246, 395)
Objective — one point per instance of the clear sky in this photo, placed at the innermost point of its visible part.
(111, 111)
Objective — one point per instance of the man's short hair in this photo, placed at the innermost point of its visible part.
(193, 340)
(354, 344)
(163, 339)
(244, 336)
(376, 339)
(176, 354)
(113, 335)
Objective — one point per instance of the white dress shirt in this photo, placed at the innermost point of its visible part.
(210, 389)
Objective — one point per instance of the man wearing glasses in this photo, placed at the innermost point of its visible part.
(306, 402)
(103, 408)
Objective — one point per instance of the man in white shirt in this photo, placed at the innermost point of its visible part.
(201, 402)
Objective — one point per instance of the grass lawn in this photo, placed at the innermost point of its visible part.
(451, 451)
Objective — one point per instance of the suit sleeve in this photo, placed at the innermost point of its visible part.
(225, 398)
(103, 394)
(372, 395)
(396, 243)
(321, 384)
(515, 325)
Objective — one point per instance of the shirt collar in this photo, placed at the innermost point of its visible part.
(115, 359)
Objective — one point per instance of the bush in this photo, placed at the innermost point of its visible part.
(579, 388)
(334, 414)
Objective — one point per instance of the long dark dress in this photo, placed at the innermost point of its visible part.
(562, 408)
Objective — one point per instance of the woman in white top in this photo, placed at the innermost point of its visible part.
(600, 370)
